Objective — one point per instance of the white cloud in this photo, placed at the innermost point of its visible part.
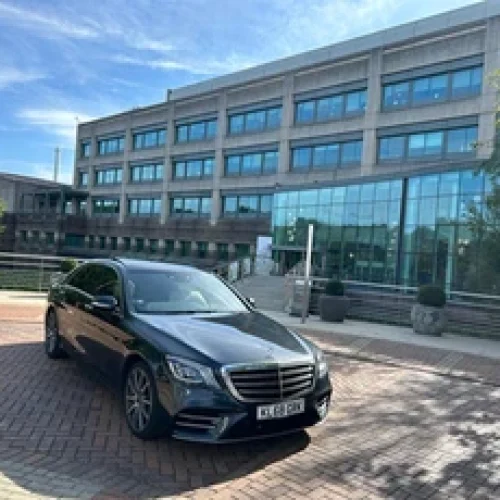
(59, 122)
(208, 66)
(13, 76)
(48, 23)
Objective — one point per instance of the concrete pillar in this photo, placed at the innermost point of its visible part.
(126, 173)
(167, 168)
(287, 119)
(374, 95)
(219, 158)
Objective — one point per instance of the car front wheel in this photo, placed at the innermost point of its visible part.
(53, 346)
(145, 416)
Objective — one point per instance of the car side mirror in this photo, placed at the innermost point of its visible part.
(251, 301)
(104, 303)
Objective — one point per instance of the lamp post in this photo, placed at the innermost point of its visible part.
(307, 273)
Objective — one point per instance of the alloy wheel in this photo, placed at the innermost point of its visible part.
(138, 399)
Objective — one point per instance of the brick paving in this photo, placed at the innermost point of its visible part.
(394, 432)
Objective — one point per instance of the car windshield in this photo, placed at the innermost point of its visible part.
(180, 292)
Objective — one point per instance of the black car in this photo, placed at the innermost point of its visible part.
(191, 356)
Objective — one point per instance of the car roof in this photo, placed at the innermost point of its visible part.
(145, 265)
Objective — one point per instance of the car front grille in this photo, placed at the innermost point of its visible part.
(270, 383)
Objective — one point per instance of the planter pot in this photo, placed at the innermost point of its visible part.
(333, 308)
(428, 320)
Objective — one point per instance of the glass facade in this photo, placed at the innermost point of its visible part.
(255, 121)
(85, 149)
(407, 231)
(432, 89)
(333, 107)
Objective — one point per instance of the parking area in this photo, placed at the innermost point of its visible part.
(393, 432)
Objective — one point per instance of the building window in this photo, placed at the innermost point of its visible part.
(222, 251)
(252, 164)
(198, 131)
(139, 244)
(102, 242)
(191, 206)
(433, 88)
(467, 82)
(83, 179)
(144, 206)
(74, 240)
(327, 156)
(169, 247)
(105, 206)
(127, 244)
(24, 236)
(85, 149)
(148, 172)
(392, 148)
(35, 236)
(332, 107)
(114, 242)
(150, 139)
(108, 176)
(50, 238)
(245, 205)
(91, 241)
(428, 145)
(255, 121)
(202, 249)
(153, 246)
(82, 207)
(194, 169)
(112, 145)
(185, 248)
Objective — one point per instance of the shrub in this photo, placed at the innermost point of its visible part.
(67, 265)
(431, 295)
(334, 288)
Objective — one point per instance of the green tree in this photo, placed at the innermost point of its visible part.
(484, 222)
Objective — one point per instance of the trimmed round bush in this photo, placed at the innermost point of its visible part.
(334, 288)
(431, 295)
(67, 265)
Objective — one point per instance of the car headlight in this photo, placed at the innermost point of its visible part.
(190, 372)
(321, 364)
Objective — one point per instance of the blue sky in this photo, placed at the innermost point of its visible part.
(63, 59)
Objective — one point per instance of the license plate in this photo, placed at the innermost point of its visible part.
(280, 410)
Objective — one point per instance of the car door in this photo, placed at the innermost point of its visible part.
(75, 299)
(107, 336)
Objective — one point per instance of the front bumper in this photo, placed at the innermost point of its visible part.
(208, 415)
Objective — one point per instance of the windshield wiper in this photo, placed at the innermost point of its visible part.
(208, 311)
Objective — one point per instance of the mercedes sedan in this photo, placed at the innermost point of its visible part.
(190, 356)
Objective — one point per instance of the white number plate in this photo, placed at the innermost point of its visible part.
(281, 410)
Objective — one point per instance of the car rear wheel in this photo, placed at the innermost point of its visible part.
(144, 414)
(53, 347)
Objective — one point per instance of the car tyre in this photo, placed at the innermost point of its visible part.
(53, 347)
(144, 414)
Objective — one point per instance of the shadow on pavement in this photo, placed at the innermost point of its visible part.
(62, 433)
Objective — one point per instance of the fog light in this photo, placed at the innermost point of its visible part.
(322, 408)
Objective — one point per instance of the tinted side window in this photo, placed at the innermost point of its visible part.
(97, 279)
